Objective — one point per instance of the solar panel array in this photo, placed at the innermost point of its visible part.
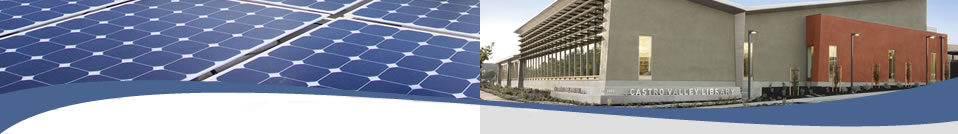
(453, 16)
(324, 6)
(354, 55)
(16, 15)
(145, 40)
(256, 42)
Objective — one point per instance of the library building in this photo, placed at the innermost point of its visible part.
(644, 51)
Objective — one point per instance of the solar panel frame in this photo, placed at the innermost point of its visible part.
(466, 93)
(444, 30)
(308, 8)
(217, 65)
(4, 33)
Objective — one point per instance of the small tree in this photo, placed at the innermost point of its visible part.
(485, 53)
(908, 73)
(793, 81)
(876, 74)
(837, 78)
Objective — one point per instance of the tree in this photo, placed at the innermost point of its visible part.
(485, 53)
(487, 75)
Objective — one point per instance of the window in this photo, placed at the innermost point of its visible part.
(597, 56)
(932, 66)
(832, 62)
(645, 57)
(891, 65)
(563, 63)
(588, 59)
(580, 61)
(748, 58)
(808, 63)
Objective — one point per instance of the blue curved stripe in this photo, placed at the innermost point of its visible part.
(924, 105)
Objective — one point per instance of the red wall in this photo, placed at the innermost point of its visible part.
(870, 48)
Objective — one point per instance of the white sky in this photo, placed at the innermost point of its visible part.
(500, 18)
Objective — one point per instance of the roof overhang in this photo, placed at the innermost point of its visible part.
(510, 59)
(723, 5)
(952, 49)
(732, 7)
(546, 13)
(806, 5)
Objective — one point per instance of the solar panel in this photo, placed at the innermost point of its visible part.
(144, 40)
(459, 17)
(355, 55)
(323, 6)
(17, 15)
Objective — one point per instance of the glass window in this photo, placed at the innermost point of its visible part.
(747, 58)
(532, 68)
(932, 66)
(809, 62)
(598, 55)
(832, 62)
(539, 67)
(645, 56)
(569, 64)
(553, 64)
(580, 61)
(535, 67)
(565, 62)
(891, 65)
(562, 67)
(575, 61)
(588, 59)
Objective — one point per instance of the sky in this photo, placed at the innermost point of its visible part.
(502, 17)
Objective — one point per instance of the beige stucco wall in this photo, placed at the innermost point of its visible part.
(691, 42)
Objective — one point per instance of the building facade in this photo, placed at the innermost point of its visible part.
(632, 51)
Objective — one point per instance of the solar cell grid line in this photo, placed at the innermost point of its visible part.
(350, 54)
(457, 17)
(144, 40)
(322, 6)
(19, 15)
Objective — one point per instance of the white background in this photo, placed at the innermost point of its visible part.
(503, 120)
(226, 113)
(246, 113)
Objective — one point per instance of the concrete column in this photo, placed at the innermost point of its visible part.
(509, 71)
(522, 69)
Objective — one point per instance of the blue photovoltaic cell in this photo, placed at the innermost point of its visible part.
(355, 55)
(325, 6)
(143, 40)
(17, 14)
(461, 16)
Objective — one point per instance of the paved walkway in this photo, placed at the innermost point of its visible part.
(805, 100)
(490, 97)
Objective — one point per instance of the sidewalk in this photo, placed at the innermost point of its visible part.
(490, 97)
(805, 100)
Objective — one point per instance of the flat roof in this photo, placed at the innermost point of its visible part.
(952, 49)
(545, 13)
(724, 5)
